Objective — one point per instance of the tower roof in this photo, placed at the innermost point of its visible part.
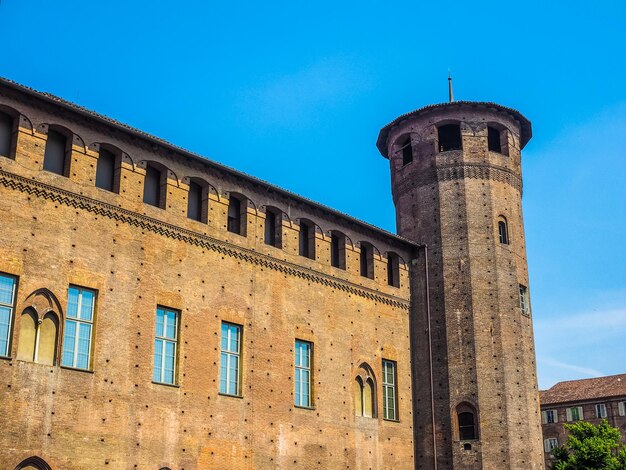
(525, 126)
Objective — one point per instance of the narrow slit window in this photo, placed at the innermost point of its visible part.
(105, 170)
(467, 426)
(54, 159)
(237, 215)
(449, 137)
(338, 250)
(7, 306)
(152, 186)
(303, 367)
(230, 359)
(407, 151)
(273, 227)
(494, 142)
(78, 328)
(503, 231)
(194, 201)
(366, 258)
(393, 270)
(165, 345)
(306, 239)
(6, 134)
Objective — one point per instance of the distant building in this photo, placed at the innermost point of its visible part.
(587, 400)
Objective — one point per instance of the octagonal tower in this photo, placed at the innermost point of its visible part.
(457, 188)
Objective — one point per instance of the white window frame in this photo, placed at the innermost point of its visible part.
(80, 324)
(163, 340)
(601, 410)
(303, 368)
(390, 390)
(621, 408)
(570, 416)
(550, 444)
(545, 416)
(11, 308)
(230, 356)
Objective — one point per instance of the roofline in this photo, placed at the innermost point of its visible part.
(582, 401)
(525, 125)
(87, 113)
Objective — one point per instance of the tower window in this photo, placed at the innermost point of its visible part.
(338, 250)
(524, 302)
(152, 187)
(237, 215)
(6, 134)
(449, 137)
(105, 170)
(54, 159)
(273, 227)
(194, 201)
(306, 240)
(393, 270)
(503, 232)
(407, 150)
(367, 260)
(493, 140)
(467, 426)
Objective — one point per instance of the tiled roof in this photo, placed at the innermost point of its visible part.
(526, 127)
(585, 389)
(157, 140)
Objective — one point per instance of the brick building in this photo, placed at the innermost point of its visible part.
(588, 400)
(160, 310)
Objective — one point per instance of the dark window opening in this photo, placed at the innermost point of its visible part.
(367, 260)
(152, 186)
(407, 151)
(306, 240)
(105, 170)
(467, 427)
(449, 137)
(467, 446)
(493, 140)
(503, 232)
(194, 201)
(54, 159)
(273, 227)
(338, 250)
(6, 135)
(235, 215)
(393, 270)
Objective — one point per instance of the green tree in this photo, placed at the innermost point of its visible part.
(591, 447)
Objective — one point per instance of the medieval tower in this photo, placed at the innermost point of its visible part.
(457, 188)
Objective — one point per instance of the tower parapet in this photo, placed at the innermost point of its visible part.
(457, 187)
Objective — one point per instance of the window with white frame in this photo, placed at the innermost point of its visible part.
(575, 413)
(303, 361)
(549, 416)
(601, 410)
(524, 302)
(78, 328)
(621, 408)
(7, 300)
(165, 343)
(230, 359)
(550, 443)
(390, 409)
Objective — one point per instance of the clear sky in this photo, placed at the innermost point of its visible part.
(296, 92)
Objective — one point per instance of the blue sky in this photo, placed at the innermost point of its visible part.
(296, 93)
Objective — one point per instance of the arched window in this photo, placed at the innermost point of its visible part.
(7, 132)
(56, 158)
(449, 137)
(493, 140)
(108, 168)
(393, 269)
(466, 422)
(503, 231)
(237, 214)
(407, 150)
(306, 239)
(367, 260)
(273, 227)
(38, 340)
(198, 200)
(338, 249)
(155, 185)
(365, 393)
(33, 463)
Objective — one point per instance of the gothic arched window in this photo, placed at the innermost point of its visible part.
(503, 231)
(466, 422)
(365, 393)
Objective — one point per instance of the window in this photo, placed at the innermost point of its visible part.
(574, 413)
(306, 239)
(152, 187)
(230, 358)
(621, 408)
(33, 463)
(338, 249)
(549, 416)
(524, 303)
(6, 135)
(54, 159)
(38, 340)
(493, 140)
(367, 260)
(273, 227)
(237, 215)
(389, 390)
(393, 270)
(503, 232)
(7, 304)
(365, 393)
(78, 328)
(467, 427)
(165, 342)
(303, 373)
(407, 150)
(550, 443)
(449, 137)
(105, 170)
(194, 201)
(601, 410)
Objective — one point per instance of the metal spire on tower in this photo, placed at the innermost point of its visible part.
(450, 92)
